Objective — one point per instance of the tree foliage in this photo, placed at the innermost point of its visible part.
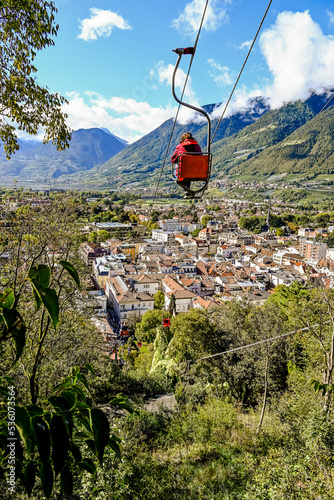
(49, 435)
(26, 27)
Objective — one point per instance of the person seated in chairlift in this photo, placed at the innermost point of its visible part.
(187, 145)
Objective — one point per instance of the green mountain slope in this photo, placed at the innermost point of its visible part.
(308, 150)
(255, 150)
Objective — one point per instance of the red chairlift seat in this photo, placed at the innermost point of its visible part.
(194, 167)
(124, 331)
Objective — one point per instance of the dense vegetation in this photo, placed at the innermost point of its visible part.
(252, 423)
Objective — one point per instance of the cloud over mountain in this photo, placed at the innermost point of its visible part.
(300, 57)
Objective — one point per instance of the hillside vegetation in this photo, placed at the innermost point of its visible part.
(251, 423)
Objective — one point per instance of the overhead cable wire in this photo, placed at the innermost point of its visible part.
(179, 106)
(261, 342)
(315, 116)
(241, 71)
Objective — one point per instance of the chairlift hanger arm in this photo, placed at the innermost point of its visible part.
(181, 52)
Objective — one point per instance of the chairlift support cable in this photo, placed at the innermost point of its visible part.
(178, 109)
(317, 114)
(241, 71)
(261, 341)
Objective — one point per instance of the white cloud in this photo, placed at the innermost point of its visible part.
(126, 118)
(245, 45)
(240, 102)
(330, 15)
(101, 23)
(163, 75)
(299, 56)
(189, 20)
(221, 75)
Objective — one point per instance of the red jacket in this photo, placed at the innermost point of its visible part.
(187, 146)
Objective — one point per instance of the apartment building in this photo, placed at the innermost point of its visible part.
(125, 300)
(312, 250)
(91, 251)
(165, 236)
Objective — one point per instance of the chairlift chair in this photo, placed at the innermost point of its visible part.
(192, 167)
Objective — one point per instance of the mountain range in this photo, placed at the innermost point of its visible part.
(42, 162)
(256, 141)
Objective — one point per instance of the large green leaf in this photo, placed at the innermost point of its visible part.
(40, 275)
(60, 443)
(50, 300)
(83, 379)
(88, 465)
(23, 426)
(46, 476)
(34, 410)
(71, 271)
(11, 317)
(29, 476)
(16, 328)
(7, 299)
(38, 300)
(59, 403)
(42, 433)
(19, 338)
(115, 447)
(70, 397)
(79, 392)
(124, 403)
(90, 368)
(101, 430)
(66, 480)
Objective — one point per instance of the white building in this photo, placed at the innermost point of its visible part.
(165, 236)
(125, 301)
(146, 284)
(170, 225)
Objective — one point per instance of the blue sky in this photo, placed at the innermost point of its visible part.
(113, 59)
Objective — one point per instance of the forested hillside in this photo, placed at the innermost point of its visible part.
(309, 151)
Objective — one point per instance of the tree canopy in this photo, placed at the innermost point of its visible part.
(27, 26)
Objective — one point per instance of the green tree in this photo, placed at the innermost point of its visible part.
(98, 236)
(26, 27)
(196, 232)
(251, 223)
(192, 332)
(47, 440)
(159, 299)
(205, 219)
(312, 309)
(146, 330)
